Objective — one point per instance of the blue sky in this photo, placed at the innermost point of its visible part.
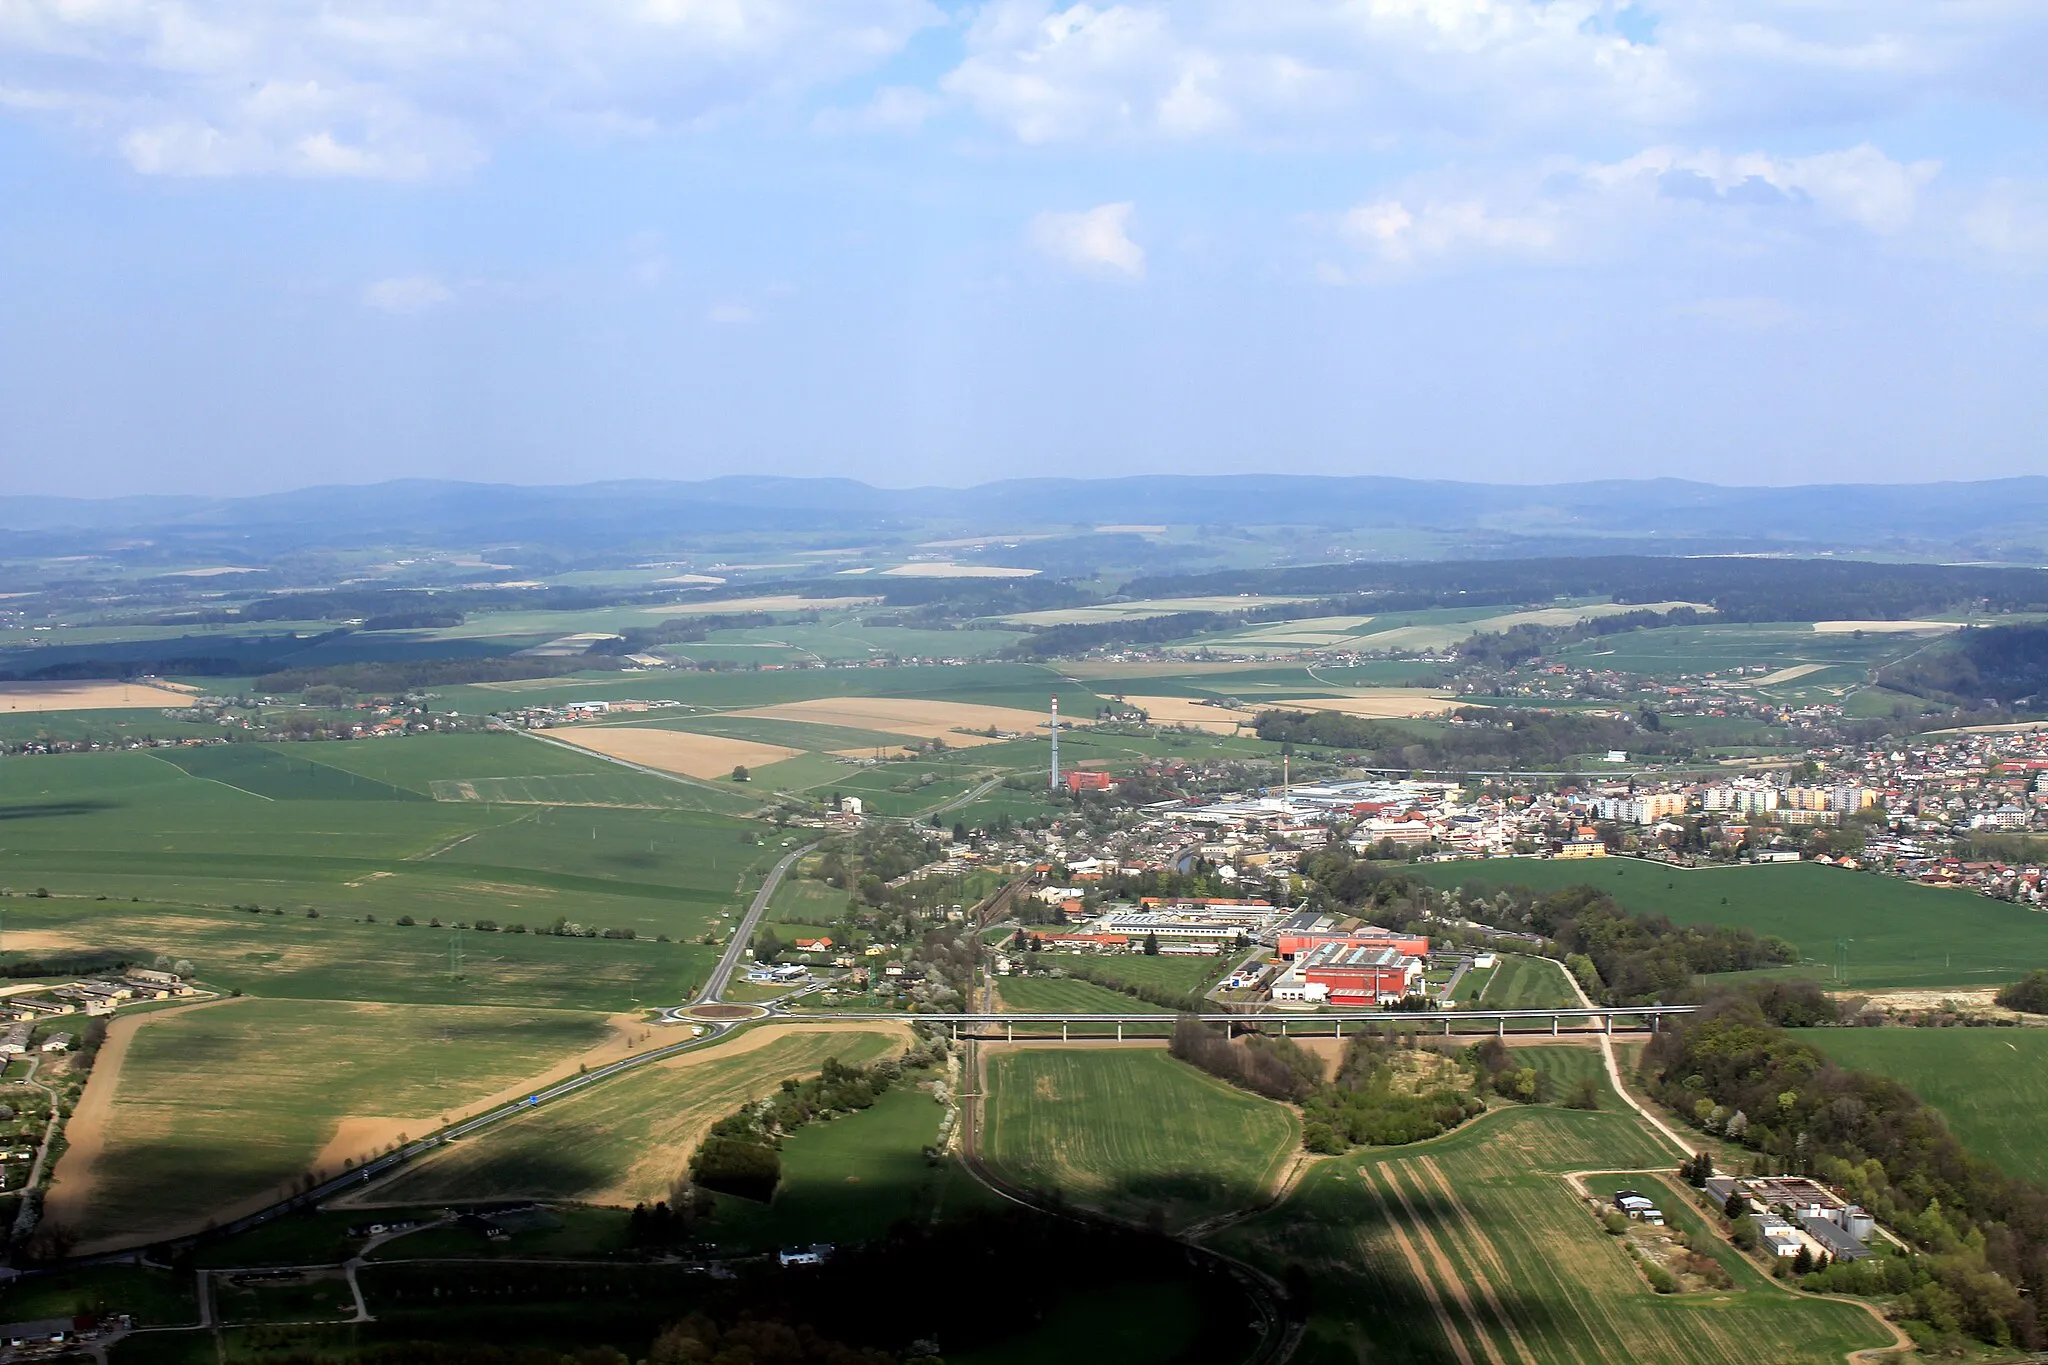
(256, 244)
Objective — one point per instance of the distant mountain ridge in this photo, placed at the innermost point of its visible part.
(2001, 519)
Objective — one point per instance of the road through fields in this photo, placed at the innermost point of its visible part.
(743, 932)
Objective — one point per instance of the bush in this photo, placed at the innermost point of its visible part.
(2029, 994)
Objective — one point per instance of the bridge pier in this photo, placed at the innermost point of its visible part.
(1609, 1020)
(1500, 1028)
(1009, 1033)
(1119, 1030)
(955, 1026)
(1447, 1026)
(1340, 1028)
(1063, 1030)
(1283, 1028)
(1553, 1026)
(1655, 1020)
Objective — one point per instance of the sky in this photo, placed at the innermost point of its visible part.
(249, 245)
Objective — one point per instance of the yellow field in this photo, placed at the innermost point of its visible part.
(779, 602)
(674, 751)
(1381, 703)
(905, 716)
(1385, 703)
(1189, 711)
(88, 694)
(956, 571)
(1785, 675)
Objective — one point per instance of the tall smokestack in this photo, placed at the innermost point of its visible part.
(1055, 782)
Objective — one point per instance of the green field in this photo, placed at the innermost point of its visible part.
(1136, 969)
(1701, 649)
(220, 1104)
(1991, 1085)
(1028, 686)
(853, 1178)
(1047, 995)
(1133, 1132)
(265, 825)
(1899, 934)
(332, 958)
(1066, 995)
(1473, 1247)
(156, 1298)
(1525, 983)
(629, 1140)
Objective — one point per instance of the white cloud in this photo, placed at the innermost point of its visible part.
(410, 88)
(1702, 200)
(406, 294)
(1374, 71)
(730, 313)
(1095, 241)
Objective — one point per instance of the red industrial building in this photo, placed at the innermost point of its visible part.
(1350, 974)
(1083, 781)
(1291, 945)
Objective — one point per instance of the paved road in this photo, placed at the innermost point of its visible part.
(743, 932)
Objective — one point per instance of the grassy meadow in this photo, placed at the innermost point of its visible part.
(1990, 1085)
(628, 1140)
(1474, 1247)
(215, 1105)
(1132, 1131)
(1901, 934)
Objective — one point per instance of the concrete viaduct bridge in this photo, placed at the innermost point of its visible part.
(1008, 1027)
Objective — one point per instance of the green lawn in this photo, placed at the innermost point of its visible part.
(1132, 1131)
(1991, 1085)
(224, 1103)
(1900, 934)
(1477, 1236)
(629, 1140)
